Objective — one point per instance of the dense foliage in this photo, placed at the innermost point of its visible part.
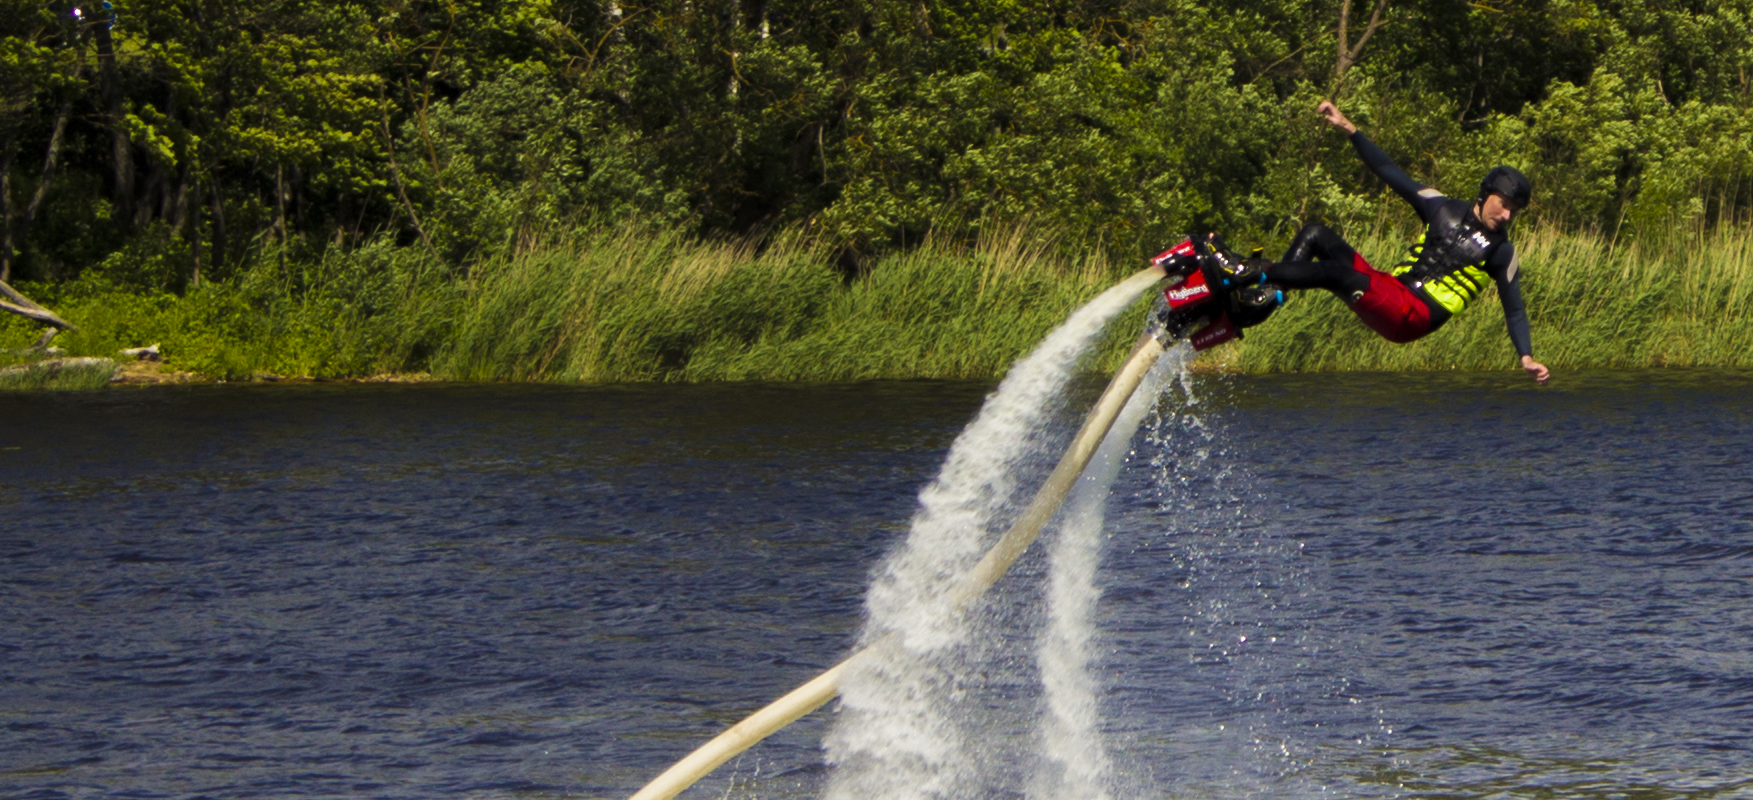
(163, 141)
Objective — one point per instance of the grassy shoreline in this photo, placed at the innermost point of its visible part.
(627, 305)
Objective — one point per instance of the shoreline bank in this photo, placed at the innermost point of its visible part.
(624, 306)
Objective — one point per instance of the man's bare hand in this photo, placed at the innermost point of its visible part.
(1335, 117)
(1538, 370)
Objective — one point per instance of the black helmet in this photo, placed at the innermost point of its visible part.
(1509, 182)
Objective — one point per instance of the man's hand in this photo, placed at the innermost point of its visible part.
(1538, 370)
(1335, 118)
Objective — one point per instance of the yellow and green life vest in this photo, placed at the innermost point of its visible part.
(1448, 261)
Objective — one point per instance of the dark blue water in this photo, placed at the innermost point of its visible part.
(1477, 588)
(1454, 586)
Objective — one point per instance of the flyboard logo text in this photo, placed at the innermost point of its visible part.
(1188, 291)
(1181, 294)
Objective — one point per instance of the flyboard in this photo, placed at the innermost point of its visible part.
(1210, 297)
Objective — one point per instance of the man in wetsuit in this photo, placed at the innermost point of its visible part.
(1463, 245)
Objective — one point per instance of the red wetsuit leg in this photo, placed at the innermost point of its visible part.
(1388, 307)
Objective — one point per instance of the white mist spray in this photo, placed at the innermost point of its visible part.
(898, 736)
(1074, 763)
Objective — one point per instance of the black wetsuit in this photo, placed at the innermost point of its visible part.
(1448, 269)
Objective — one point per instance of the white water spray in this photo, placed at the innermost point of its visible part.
(1074, 764)
(898, 736)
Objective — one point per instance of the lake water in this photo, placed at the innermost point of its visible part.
(1450, 586)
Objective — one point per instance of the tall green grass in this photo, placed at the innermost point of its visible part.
(28, 372)
(343, 314)
(640, 304)
(1680, 301)
(635, 305)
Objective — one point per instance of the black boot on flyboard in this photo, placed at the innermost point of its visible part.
(1211, 294)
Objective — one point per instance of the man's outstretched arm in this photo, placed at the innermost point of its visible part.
(1515, 317)
(1422, 198)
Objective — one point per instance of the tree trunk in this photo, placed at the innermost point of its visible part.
(121, 149)
(280, 214)
(7, 151)
(153, 197)
(295, 196)
(50, 161)
(17, 231)
(194, 227)
(218, 224)
(176, 206)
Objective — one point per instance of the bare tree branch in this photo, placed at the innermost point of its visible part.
(1344, 47)
(1368, 31)
(1349, 53)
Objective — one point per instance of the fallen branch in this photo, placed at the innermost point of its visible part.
(24, 307)
(45, 317)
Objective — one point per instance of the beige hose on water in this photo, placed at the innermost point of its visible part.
(1010, 547)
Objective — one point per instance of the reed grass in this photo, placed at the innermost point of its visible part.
(638, 304)
(54, 374)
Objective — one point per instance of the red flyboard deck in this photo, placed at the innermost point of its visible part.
(1180, 251)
